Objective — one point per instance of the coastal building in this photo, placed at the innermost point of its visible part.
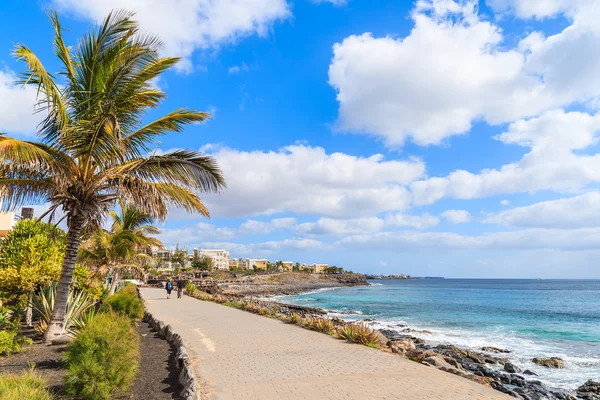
(7, 221)
(319, 268)
(287, 265)
(259, 263)
(219, 257)
(238, 263)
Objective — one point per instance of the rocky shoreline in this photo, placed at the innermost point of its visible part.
(487, 366)
(289, 284)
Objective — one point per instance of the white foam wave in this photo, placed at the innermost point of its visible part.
(578, 367)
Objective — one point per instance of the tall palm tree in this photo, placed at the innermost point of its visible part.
(125, 247)
(93, 147)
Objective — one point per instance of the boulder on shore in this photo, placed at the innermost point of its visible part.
(401, 346)
(589, 390)
(549, 362)
(511, 368)
(492, 349)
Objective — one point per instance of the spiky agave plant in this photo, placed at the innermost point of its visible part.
(78, 303)
(93, 149)
(325, 325)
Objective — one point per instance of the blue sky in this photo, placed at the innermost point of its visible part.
(429, 137)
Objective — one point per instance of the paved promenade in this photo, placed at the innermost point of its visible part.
(238, 355)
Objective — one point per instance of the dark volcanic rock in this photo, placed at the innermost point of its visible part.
(528, 372)
(589, 390)
(493, 349)
(512, 368)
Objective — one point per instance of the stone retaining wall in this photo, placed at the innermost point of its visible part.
(186, 372)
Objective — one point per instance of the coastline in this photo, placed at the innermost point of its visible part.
(289, 283)
(487, 362)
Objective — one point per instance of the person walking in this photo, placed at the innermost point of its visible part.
(169, 287)
(180, 286)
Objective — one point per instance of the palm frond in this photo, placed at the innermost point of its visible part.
(183, 167)
(173, 122)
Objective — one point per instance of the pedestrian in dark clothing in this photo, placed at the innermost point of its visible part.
(180, 286)
(169, 287)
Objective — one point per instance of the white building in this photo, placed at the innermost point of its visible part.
(219, 257)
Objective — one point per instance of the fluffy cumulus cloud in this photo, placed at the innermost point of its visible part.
(457, 216)
(454, 68)
(307, 180)
(201, 231)
(17, 105)
(575, 212)
(340, 227)
(422, 221)
(554, 161)
(187, 25)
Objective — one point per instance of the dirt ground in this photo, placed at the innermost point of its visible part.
(157, 378)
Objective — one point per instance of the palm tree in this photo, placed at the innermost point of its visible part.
(125, 247)
(93, 148)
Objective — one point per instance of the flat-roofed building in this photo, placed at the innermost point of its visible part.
(259, 263)
(219, 257)
(7, 221)
(319, 268)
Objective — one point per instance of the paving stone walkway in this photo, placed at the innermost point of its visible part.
(238, 355)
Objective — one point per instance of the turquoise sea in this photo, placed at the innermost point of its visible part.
(532, 318)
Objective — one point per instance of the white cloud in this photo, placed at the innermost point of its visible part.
(504, 202)
(526, 239)
(454, 69)
(340, 227)
(195, 234)
(306, 180)
(252, 227)
(236, 69)
(574, 212)
(422, 221)
(260, 250)
(187, 25)
(17, 105)
(202, 231)
(457, 216)
(550, 164)
(534, 8)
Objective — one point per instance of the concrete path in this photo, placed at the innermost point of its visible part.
(238, 355)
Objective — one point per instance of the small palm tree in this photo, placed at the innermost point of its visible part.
(93, 148)
(125, 247)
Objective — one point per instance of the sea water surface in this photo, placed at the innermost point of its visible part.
(531, 318)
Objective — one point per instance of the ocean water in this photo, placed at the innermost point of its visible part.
(532, 318)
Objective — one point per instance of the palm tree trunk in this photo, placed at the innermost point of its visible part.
(57, 331)
(113, 283)
(29, 312)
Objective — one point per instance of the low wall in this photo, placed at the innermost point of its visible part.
(186, 378)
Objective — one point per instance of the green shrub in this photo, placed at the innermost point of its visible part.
(29, 386)
(103, 358)
(234, 304)
(126, 302)
(190, 288)
(11, 342)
